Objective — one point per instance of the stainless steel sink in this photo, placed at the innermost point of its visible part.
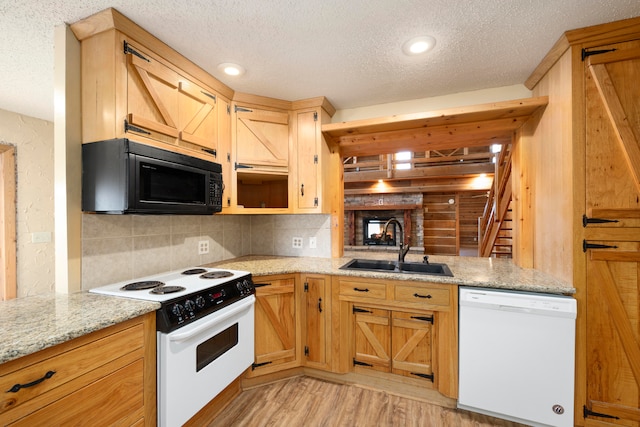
(432, 269)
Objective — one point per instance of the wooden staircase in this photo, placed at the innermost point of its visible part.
(495, 228)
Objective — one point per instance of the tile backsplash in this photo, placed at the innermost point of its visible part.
(122, 247)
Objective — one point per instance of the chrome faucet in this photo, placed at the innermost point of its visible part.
(403, 251)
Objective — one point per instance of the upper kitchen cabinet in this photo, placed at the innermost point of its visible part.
(313, 175)
(281, 161)
(135, 86)
(577, 210)
(261, 145)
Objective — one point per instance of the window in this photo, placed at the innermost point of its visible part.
(400, 157)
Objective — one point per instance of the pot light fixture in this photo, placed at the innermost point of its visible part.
(418, 45)
(231, 69)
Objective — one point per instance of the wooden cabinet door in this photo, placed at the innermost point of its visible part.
(317, 315)
(411, 344)
(372, 339)
(198, 116)
(151, 97)
(306, 166)
(275, 317)
(261, 139)
(612, 313)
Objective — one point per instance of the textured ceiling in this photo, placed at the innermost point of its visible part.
(348, 51)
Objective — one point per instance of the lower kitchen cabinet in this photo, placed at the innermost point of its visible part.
(107, 377)
(316, 320)
(405, 331)
(277, 334)
(393, 341)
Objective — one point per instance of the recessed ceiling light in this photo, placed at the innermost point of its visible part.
(231, 69)
(418, 45)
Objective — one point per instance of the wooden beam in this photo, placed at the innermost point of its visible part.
(499, 131)
(452, 116)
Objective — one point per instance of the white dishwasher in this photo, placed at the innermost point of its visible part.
(516, 356)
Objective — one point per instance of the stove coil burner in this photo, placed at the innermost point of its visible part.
(216, 275)
(161, 290)
(194, 271)
(138, 286)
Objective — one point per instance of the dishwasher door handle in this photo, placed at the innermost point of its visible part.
(514, 309)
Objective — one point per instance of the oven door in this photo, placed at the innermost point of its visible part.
(197, 361)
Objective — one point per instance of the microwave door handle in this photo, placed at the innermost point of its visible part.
(236, 308)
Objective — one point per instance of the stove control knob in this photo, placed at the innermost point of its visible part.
(240, 289)
(189, 305)
(247, 285)
(177, 310)
(200, 302)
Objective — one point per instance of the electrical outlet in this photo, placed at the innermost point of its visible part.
(381, 202)
(297, 243)
(203, 247)
(313, 242)
(41, 237)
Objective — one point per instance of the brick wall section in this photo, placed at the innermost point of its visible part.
(417, 215)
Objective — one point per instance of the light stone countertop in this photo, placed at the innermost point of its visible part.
(33, 323)
(467, 271)
(30, 324)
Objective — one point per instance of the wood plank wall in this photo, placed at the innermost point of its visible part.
(450, 227)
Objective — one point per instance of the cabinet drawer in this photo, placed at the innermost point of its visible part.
(115, 398)
(430, 295)
(36, 376)
(363, 289)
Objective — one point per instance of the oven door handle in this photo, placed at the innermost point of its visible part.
(235, 309)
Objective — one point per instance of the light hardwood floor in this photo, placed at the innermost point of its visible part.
(309, 402)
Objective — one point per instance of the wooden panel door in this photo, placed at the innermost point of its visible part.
(411, 344)
(275, 317)
(307, 159)
(152, 96)
(317, 291)
(612, 318)
(372, 339)
(262, 139)
(198, 116)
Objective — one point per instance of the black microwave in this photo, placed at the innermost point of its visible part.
(120, 176)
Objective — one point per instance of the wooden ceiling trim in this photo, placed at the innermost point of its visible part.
(438, 130)
(435, 138)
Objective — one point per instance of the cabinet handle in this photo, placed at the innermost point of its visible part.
(320, 305)
(422, 296)
(16, 388)
(302, 189)
(361, 290)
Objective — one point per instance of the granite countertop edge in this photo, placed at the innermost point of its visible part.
(467, 271)
(34, 323)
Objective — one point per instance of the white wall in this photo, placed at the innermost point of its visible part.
(33, 139)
